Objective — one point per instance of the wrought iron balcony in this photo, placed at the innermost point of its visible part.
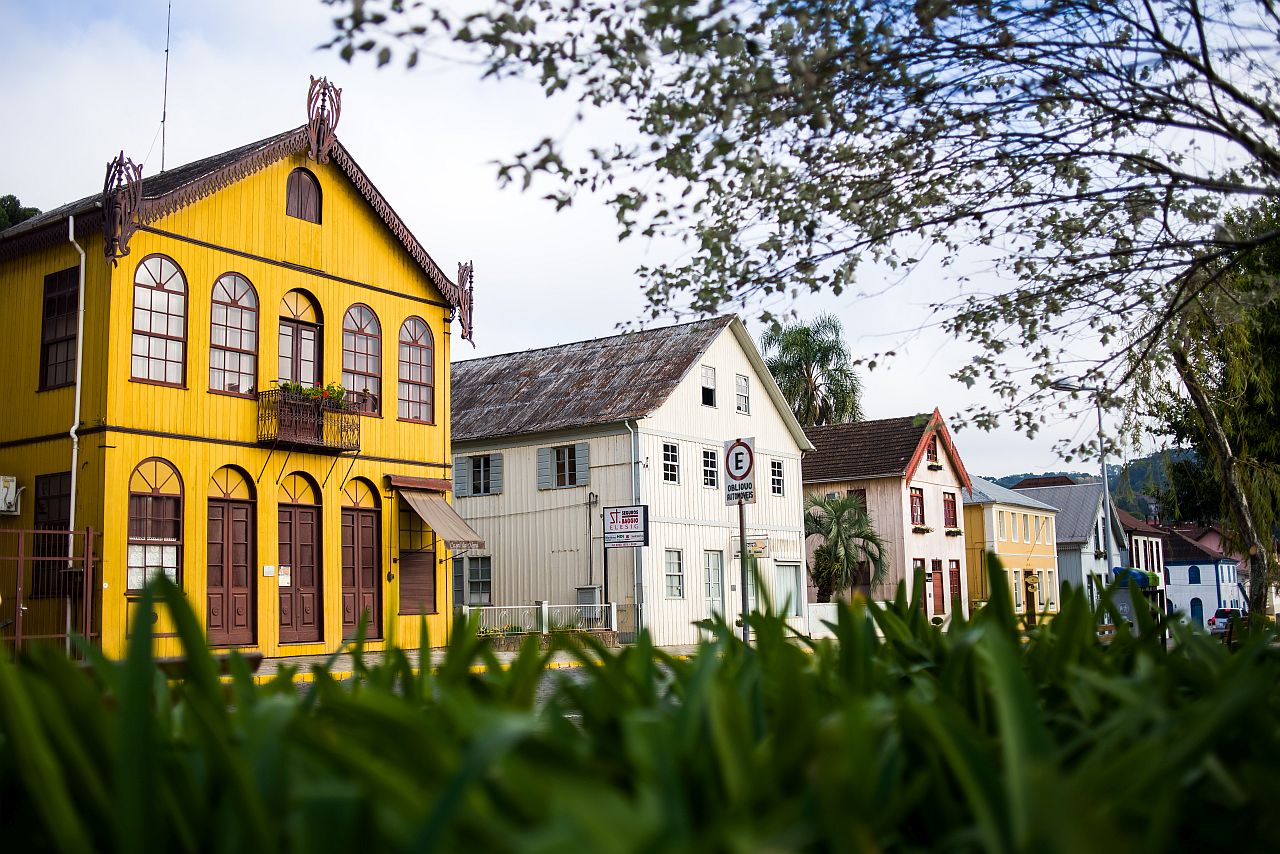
(289, 419)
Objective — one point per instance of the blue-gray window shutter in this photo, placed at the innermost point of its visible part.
(544, 469)
(582, 462)
(495, 473)
(461, 477)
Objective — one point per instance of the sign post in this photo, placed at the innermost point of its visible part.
(740, 489)
(624, 528)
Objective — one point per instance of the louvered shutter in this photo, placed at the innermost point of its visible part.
(461, 477)
(495, 474)
(582, 462)
(417, 582)
(544, 469)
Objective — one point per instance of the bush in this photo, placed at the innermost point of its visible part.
(979, 738)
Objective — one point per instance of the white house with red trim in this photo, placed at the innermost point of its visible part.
(910, 475)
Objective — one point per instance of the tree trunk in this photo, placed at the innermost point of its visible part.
(1259, 572)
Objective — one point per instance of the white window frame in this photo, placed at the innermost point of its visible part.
(742, 393)
(710, 468)
(484, 462)
(777, 477)
(480, 586)
(709, 384)
(670, 462)
(1017, 589)
(569, 455)
(677, 576)
(1000, 525)
(713, 566)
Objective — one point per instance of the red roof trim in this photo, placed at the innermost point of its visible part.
(938, 427)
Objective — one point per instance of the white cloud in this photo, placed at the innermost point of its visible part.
(85, 80)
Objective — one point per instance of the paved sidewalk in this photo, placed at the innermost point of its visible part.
(342, 665)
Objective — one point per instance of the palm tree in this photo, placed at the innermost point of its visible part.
(851, 548)
(812, 367)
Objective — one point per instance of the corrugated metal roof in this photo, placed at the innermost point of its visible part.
(1182, 549)
(986, 492)
(600, 381)
(1078, 506)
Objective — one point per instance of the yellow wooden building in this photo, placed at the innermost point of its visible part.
(170, 342)
(1021, 532)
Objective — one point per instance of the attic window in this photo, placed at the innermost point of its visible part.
(302, 196)
(932, 453)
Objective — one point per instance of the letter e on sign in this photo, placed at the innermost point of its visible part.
(740, 471)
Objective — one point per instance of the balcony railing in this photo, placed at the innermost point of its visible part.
(289, 419)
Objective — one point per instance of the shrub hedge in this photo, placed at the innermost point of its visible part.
(893, 736)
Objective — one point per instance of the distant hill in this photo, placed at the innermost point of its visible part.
(1008, 480)
(1134, 484)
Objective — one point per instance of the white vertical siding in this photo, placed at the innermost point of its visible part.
(538, 538)
(545, 542)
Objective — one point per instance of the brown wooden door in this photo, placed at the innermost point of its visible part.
(1029, 590)
(939, 594)
(301, 602)
(361, 572)
(953, 580)
(231, 573)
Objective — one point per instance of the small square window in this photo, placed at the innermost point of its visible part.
(708, 385)
(670, 462)
(566, 461)
(481, 469)
(675, 574)
(742, 386)
(917, 505)
(710, 468)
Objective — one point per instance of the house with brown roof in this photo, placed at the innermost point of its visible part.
(910, 476)
(546, 441)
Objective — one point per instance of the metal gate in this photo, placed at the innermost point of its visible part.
(50, 588)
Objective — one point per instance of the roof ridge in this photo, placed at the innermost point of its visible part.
(725, 318)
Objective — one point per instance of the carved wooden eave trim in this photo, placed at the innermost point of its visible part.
(207, 185)
(459, 296)
(88, 224)
(121, 206)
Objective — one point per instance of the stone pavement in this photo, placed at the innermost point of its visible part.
(342, 663)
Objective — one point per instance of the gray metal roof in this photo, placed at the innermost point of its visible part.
(601, 381)
(986, 492)
(1078, 507)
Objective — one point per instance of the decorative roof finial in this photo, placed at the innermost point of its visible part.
(324, 106)
(465, 304)
(121, 206)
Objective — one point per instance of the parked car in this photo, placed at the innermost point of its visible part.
(1222, 618)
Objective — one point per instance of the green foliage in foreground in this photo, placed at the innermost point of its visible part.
(974, 739)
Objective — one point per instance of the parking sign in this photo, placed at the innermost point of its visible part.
(740, 471)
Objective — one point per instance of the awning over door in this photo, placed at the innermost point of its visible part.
(442, 518)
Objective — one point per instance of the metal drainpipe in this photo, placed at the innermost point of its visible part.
(637, 554)
(75, 420)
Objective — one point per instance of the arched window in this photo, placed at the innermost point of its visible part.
(233, 336)
(362, 358)
(1193, 575)
(302, 196)
(300, 341)
(155, 523)
(159, 322)
(417, 385)
(1197, 612)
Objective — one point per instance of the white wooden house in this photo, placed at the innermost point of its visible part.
(544, 440)
(910, 477)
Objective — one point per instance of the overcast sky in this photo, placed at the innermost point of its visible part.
(85, 80)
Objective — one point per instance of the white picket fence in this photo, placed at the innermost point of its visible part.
(542, 617)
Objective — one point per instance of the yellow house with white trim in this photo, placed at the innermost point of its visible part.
(236, 372)
(1020, 531)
